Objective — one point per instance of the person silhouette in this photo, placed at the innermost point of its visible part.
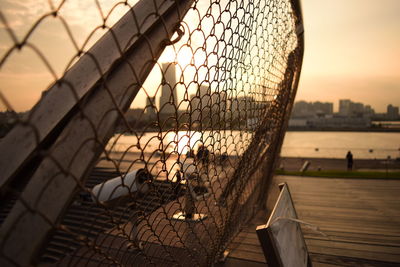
(349, 158)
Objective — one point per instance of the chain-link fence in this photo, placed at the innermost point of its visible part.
(156, 137)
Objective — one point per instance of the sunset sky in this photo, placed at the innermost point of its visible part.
(352, 49)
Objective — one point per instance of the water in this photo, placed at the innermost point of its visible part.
(231, 142)
(363, 145)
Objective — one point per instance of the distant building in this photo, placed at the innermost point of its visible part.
(392, 112)
(150, 111)
(133, 115)
(241, 106)
(219, 102)
(333, 122)
(208, 106)
(303, 109)
(369, 111)
(293, 122)
(323, 108)
(200, 103)
(348, 108)
(340, 122)
(320, 115)
(168, 99)
(345, 107)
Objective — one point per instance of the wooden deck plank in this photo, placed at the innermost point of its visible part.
(248, 255)
(369, 255)
(349, 246)
(361, 218)
(360, 237)
(323, 260)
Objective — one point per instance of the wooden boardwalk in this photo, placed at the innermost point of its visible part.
(358, 220)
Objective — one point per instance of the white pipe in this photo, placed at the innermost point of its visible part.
(120, 186)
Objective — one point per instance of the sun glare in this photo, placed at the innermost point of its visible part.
(184, 56)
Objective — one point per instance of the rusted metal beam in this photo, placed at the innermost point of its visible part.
(80, 142)
(54, 108)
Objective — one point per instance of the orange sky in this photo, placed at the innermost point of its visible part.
(352, 49)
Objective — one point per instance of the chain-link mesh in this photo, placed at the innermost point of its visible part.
(152, 147)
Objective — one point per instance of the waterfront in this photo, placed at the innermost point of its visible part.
(364, 145)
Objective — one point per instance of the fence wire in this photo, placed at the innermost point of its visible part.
(156, 130)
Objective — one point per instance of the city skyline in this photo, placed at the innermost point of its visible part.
(336, 107)
(350, 115)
